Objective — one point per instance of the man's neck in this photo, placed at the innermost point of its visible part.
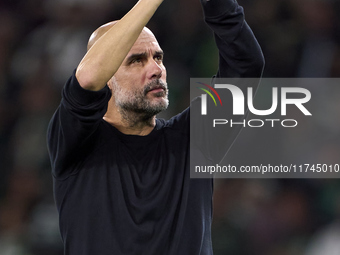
(131, 123)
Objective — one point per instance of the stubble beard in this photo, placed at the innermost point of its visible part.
(136, 106)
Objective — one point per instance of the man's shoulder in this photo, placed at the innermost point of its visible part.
(177, 122)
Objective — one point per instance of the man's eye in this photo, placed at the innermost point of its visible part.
(136, 60)
(159, 58)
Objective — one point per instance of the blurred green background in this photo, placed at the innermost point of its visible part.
(42, 42)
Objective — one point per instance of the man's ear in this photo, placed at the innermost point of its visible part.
(109, 84)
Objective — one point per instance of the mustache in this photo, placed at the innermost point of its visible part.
(155, 84)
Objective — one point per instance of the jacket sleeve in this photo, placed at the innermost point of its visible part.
(76, 119)
(240, 55)
(240, 58)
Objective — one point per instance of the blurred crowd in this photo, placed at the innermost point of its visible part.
(42, 42)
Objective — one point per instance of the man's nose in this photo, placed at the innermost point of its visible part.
(154, 70)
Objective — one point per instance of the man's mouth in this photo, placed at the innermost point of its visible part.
(157, 89)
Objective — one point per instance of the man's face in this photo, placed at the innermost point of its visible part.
(139, 85)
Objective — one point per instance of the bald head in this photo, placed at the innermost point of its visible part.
(99, 32)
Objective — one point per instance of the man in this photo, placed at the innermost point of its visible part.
(121, 176)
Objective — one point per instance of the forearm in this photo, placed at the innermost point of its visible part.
(239, 52)
(105, 57)
(214, 8)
